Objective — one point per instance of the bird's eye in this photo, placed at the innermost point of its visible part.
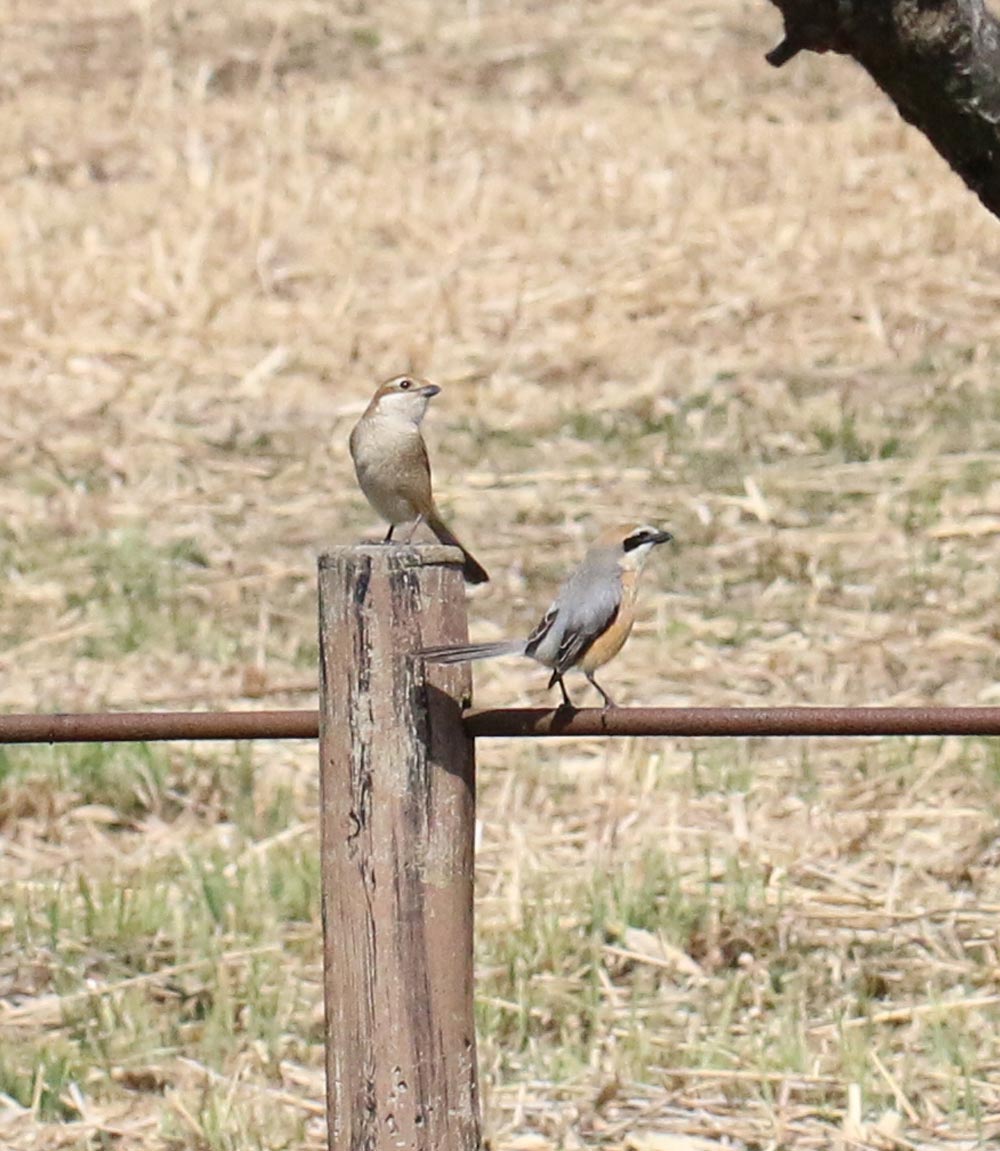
(405, 385)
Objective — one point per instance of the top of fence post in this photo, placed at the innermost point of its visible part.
(397, 823)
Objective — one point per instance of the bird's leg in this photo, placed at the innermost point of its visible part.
(413, 528)
(388, 534)
(608, 701)
(567, 702)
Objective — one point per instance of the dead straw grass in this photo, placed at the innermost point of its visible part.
(656, 279)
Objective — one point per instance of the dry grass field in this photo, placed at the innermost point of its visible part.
(657, 280)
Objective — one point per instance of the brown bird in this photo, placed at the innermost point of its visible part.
(590, 619)
(390, 458)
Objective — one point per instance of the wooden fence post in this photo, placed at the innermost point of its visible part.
(397, 794)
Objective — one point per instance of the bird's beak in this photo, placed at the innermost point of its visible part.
(661, 537)
(429, 391)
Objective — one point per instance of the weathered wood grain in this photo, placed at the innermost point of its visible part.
(397, 825)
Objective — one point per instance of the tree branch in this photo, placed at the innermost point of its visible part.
(937, 60)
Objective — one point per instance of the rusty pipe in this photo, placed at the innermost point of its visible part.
(736, 721)
(142, 727)
(145, 727)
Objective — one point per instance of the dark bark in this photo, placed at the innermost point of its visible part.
(937, 60)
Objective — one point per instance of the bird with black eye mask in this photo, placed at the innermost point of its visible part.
(589, 620)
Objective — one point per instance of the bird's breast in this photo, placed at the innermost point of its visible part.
(610, 642)
(391, 465)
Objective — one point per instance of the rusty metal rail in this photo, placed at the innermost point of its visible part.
(737, 721)
(149, 726)
(145, 727)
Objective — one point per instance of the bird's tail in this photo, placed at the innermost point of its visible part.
(460, 653)
(472, 569)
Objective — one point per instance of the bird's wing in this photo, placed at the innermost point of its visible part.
(412, 462)
(541, 629)
(585, 609)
